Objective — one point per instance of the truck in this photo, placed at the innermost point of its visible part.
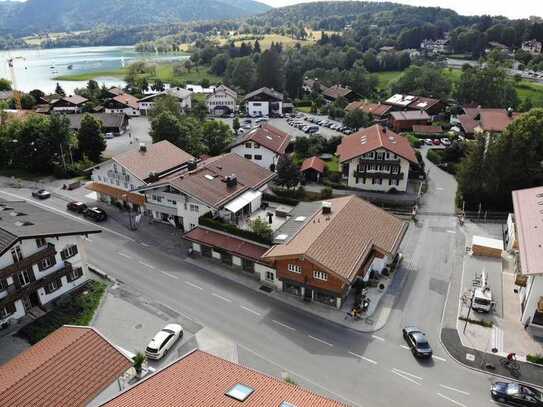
(482, 297)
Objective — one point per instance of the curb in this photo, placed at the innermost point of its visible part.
(101, 274)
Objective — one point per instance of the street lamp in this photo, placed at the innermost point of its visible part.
(130, 222)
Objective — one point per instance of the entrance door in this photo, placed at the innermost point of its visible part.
(34, 299)
(308, 295)
(226, 258)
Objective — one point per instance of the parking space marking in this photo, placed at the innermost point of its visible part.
(439, 358)
(321, 341)
(405, 347)
(221, 297)
(283, 325)
(373, 362)
(146, 264)
(168, 274)
(465, 393)
(378, 338)
(405, 377)
(451, 400)
(193, 285)
(250, 310)
(124, 255)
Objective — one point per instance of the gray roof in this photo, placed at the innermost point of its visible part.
(179, 93)
(21, 220)
(267, 91)
(108, 119)
(295, 222)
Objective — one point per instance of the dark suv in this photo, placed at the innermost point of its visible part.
(96, 214)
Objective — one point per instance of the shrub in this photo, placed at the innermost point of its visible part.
(326, 193)
(434, 156)
(414, 141)
(217, 224)
(484, 322)
(538, 358)
(280, 199)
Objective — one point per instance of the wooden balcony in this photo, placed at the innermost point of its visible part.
(28, 261)
(379, 174)
(366, 161)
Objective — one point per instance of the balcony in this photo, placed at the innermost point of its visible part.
(118, 175)
(379, 174)
(366, 161)
(28, 261)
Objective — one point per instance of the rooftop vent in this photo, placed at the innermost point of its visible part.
(143, 148)
(281, 237)
(19, 223)
(326, 207)
(231, 180)
(191, 165)
(286, 404)
(209, 177)
(17, 213)
(240, 392)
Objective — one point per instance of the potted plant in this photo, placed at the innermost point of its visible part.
(138, 361)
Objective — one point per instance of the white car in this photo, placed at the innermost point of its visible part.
(163, 341)
(428, 141)
(445, 141)
(109, 136)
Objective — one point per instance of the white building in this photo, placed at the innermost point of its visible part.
(532, 46)
(123, 103)
(69, 104)
(222, 101)
(376, 159)
(42, 256)
(264, 102)
(184, 96)
(437, 47)
(263, 145)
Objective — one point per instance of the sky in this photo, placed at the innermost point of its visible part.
(508, 8)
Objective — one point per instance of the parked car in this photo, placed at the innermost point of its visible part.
(76, 206)
(436, 142)
(445, 141)
(96, 214)
(516, 394)
(247, 121)
(163, 341)
(428, 141)
(41, 194)
(417, 342)
(109, 136)
(261, 119)
(312, 129)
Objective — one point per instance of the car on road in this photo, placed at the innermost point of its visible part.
(261, 119)
(163, 341)
(515, 394)
(445, 141)
(96, 214)
(76, 206)
(428, 141)
(417, 342)
(436, 142)
(109, 136)
(41, 194)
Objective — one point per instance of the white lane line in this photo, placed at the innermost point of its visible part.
(283, 325)
(373, 362)
(221, 297)
(405, 377)
(145, 244)
(439, 358)
(465, 393)
(405, 347)
(250, 310)
(378, 338)
(321, 341)
(451, 400)
(439, 189)
(407, 373)
(168, 274)
(124, 255)
(193, 285)
(452, 231)
(145, 264)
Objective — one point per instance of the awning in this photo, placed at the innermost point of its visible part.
(116, 193)
(242, 201)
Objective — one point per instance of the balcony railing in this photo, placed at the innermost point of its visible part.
(377, 174)
(28, 261)
(366, 161)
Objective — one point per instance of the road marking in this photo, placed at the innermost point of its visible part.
(193, 285)
(320, 340)
(146, 264)
(452, 231)
(439, 358)
(250, 310)
(373, 362)
(451, 400)
(378, 338)
(408, 374)
(90, 241)
(405, 347)
(283, 325)
(405, 377)
(439, 188)
(168, 274)
(221, 297)
(124, 255)
(465, 393)
(145, 244)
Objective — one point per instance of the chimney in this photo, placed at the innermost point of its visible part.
(510, 112)
(326, 207)
(191, 165)
(231, 181)
(143, 148)
(384, 130)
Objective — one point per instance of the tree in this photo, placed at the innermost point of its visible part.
(216, 136)
(294, 79)
(261, 228)
(59, 90)
(357, 119)
(361, 81)
(188, 65)
(158, 85)
(256, 47)
(489, 87)
(165, 103)
(165, 126)
(5, 84)
(241, 73)
(235, 124)
(269, 71)
(199, 110)
(288, 174)
(90, 140)
(27, 101)
(424, 80)
(137, 361)
(219, 64)
(37, 94)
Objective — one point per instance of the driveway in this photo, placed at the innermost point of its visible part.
(137, 132)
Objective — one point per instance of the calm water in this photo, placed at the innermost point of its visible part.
(40, 66)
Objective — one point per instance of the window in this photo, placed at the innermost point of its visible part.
(380, 156)
(123, 171)
(395, 170)
(131, 186)
(257, 104)
(258, 157)
(117, 182)
(248, 156)
(294, 268)
(74, 274)
(248, 145)
(256, 145)
(240, 392)
(7, 310)
(16, 254)
(270, 276)
(40, 242)
(53, 286)
(68, 252)
(25, 277)
(126, 185)
(320, 275)
(194, 208)
(114, 168)
(3, 284)
(99, 178)
(47, 263)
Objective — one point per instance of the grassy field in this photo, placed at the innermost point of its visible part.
(36, 40)
(385, 78)
(87, 76)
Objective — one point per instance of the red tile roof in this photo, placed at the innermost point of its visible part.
(468, 123)
(75, 99)
(422, 103)
(472, 112)
(267, 136)
(315, 163)
(430, 130)
(201, 380)
(372, 138)
(410, 115)
(376, 109)
(128, 100)
(495, 120)
(336, 91)
(70, 367)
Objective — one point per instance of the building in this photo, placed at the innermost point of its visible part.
(184, 96)
(6, 95)
(227, 186)
(379, 111)
(73, 366)
(115, 123)
(494, 121)
(199, 89)
(532, 46)
(263, 145)
(310, 85)
(427, 131)
(264, 102)
(115, 91)
(468, 124)
(404, 121)
(222, 101)
(123, 103)
(116, 179)
(440, 46)
(429, 105)
(200, 379)
(400, 102)
(336, 92)
(313, 169)
(325, 246)
(68, 104)
(42, 256)
(376, 159)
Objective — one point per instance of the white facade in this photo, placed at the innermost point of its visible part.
(113, 174)
(531, 299)
(67, 109)
(184, 97)
(256, 153)
(221, 99)
(129, 111)
(260, 108)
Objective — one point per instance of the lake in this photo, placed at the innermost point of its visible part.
(40, 66)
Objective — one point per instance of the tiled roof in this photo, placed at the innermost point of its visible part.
(75, 99)
(117, 193)
(115, 91)
(267, 136)
(108, 120)
(314, 163)
(267, 91)
(158, 158)
(70, 367)
(376, 109)
(372, 138)
(468, 123)
(127, 100)
(340, 242)
(430, 130)
(201, 380)
(472, 112)
(410, 115)
(495, 120)
(422, 103)
(336, 91)
(224, 89)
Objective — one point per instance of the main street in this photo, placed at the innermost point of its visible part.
(360, 369)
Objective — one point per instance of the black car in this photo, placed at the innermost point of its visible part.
(515, 394)
(41, 194)
(76, 206)
(417, 341)
(96, 214)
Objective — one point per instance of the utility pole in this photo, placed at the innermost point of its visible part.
(63, 160)
(469, 310)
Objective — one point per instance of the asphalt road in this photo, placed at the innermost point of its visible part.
(360, 369)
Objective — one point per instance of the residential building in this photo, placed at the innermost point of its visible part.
(227, 186)
(199, 89)
(325, 246)
(532, 46)
(42, 256)
(379, 111)
(222, 101)
(183, 96)
(429, 105)
(116, 179)
(123, 103)
(494, 121)
(310, 85)
(199, 379)
(68, 104)
(439, 46)
(73, 366)
(335, 92)
(263, 145)
(399, 101)
(376, 159)
(115, 91)
(468, 124)
(313, 169)
(264, 102)
(404, 121)
(115, 123)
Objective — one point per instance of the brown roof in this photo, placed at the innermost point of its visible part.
(75, 99)
(468, 123)
(372, 138)
(472, 112)
(410, 115)
(315, 163)
(376, 109)
(70, 367)
(207, 182)
(201, 380)
(115, 91)
(159, 158)
(231, 244)
(495, 120)
(127, 100)
(336, 91)
(342, 241)
(422, 103)
(267, 136)
(430, 130)
(117, 193)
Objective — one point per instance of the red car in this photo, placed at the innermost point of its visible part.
(436, 142)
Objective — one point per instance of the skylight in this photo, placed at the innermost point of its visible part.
(281, 237)
(19, 223)
(300, 218)
(240, 392)
(209, 177)
(286, 404)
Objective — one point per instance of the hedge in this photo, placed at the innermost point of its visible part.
(280, 199)
(485, 323)
(233, 230)
(434, 156)
(538, 359)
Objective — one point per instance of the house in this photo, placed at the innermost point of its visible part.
(400, 102)
(494, 121)
(376, 159)
(439, 46)
(123, 103)
(68, 104)
(42, 256)
(429, 105)
(184, 96)
(222, 101)
(116, 179)
(379, 111)
(532, 46)
(264, 102)
(313, 169)
(263, 145)
(427, 131)
(402, 121)
(199, 379)
(310, 85)
(115, 123)
(467, 124)
(326, 246)
(200, 89)
(6, 95)
(115, 91)
(227, 186)
(73, 366)
(335, 92)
